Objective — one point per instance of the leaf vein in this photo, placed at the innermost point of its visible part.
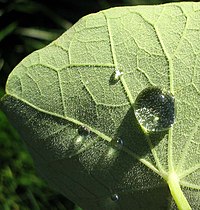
(61, 94)
(130, 98)
(171, 82)
(189, 171)
(189, 185)
(187, 145)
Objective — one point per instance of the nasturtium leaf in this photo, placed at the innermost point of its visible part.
(79, 123)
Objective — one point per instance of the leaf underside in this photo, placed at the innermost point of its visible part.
(68, 84)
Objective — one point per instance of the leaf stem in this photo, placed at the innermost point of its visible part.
(177, 193)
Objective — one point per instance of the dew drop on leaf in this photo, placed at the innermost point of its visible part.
(83, 131)
(115, 197)
(118, 143)
(117, 75)
(154, 109)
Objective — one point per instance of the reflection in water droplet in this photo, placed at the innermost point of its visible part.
(114, 197)
(83, 131)
(154, 109)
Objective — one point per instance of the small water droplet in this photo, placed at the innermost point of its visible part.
(154, 109)
(114, 197)
(118, 143)
(117, 75)
(83, 131)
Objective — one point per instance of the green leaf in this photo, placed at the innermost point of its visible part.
(80, 126)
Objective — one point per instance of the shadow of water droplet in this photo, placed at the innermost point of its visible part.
(134, 137)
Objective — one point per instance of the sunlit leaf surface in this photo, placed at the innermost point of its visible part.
(73, 104)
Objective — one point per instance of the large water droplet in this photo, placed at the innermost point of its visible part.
(154, 109)
(114, 197)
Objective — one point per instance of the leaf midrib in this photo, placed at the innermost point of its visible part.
(98, 133)
(160, 170)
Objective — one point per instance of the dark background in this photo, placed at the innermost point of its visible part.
(27, 25)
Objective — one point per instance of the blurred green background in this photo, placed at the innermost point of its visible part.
(27, 25)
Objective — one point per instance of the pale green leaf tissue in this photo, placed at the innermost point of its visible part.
(69, 84)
